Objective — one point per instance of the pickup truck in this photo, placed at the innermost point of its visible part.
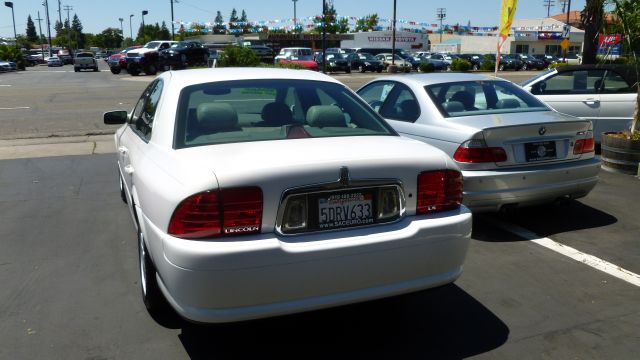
(147, 59)
(84, 60)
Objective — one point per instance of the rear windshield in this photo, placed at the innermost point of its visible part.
(482, 97)
(258, 110)
(84, 55)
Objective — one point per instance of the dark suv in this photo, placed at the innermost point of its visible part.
(529, 62)
(185, 53)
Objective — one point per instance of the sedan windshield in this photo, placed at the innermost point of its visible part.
(482, 98)
(258, 110)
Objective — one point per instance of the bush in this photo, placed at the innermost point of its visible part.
(285, 66)
(488, 63)
(11, 53)
(460, 65)
(556, 65)
(426, 67)
(236, 56)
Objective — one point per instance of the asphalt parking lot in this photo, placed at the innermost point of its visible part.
(554, 282)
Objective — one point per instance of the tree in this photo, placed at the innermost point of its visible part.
(233, 19)
(367, 23)
(591, 19)
(628, 14)
(245, 22)
(333, 24)
(219, 27)
(109, 38)
(76, 32)
(164, 33)
(32, 35)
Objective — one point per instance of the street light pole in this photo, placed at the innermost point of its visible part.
(295, 22)
(324, 36)
(393, 40)
(69, 8)
(40, 27)
(442, 14)
(121, 31)
(144, 12)
(131, 28)
(173, 37)
(15, 35)
(46, 8)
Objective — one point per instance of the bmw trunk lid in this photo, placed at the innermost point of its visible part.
(531, 138)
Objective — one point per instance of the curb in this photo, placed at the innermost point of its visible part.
(56, 146)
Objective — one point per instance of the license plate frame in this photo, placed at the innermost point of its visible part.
(345, 209)
(540, 151)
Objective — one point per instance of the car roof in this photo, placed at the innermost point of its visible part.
(199, 76)
(438, 78)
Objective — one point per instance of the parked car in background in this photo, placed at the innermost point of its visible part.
(184, 53)
(335, 62)
(333, 198)
(387, 59)
(364, 62)
(54, 61)
(528, 62)
(147, 58)
(118, 61)
(474, 59)
(6, 66)
(547, 59)
(509, 63)
(84, 61)
(293, 53)
(65, 56)
(300, 57)
(438, 64)
(604, 94)
(571, 59)
(512, 148)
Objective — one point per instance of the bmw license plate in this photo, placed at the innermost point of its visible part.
(346, 209)
(540, 150)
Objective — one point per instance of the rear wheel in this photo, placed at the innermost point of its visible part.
(150, 69)
(501, 67)
(361, 68)
(115, 70)
(95, 69)
(152, 297)
(348, 70)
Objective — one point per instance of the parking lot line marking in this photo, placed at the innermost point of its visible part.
(572, 253)
(16, 108)
(5, 85)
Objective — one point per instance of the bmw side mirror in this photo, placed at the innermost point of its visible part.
(118, 117)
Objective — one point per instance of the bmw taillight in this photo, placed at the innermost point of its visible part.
(439, 190)
(585, 145)
(226, 212)
(476, 151)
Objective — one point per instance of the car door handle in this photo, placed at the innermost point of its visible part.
(123, 150)
(128, 169)
(591, 101)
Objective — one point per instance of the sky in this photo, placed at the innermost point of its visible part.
(98, 15)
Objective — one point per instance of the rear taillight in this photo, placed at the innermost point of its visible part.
(439, 190)
(476, 151)
(225, 212)
(585, 145)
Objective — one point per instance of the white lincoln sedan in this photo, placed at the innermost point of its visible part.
(261, 192)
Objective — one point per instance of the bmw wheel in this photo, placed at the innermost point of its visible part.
(361, 68)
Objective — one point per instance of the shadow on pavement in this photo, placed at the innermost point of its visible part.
(544, 220)
(442, 323)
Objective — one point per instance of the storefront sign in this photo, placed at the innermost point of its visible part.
(547, 35)
(610, 44)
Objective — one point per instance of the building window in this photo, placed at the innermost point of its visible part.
(522, 49)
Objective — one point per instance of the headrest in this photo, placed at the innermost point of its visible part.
(466, 98)
(409, 108)
(277, 114)
(507, 104)
(453, 106)
(214, 117)
(325, 116)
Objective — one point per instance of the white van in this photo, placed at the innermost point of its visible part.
(293, 53)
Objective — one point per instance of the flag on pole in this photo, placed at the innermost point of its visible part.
(506, 19)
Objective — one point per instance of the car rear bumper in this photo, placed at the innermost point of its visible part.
(270, 275)
(490, 190)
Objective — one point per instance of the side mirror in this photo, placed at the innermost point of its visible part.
(118, 117)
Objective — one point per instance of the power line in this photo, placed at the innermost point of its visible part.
(441, 14)
(548, 4)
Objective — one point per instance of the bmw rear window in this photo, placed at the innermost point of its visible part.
(274, 109)
(482, 97)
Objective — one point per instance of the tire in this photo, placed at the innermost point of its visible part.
(95, 69)
(76, 69)
(379, 71)
(475, 67)
(152, 297)
(361, 68)
(524, 67)
(115, 70)
(123, 194)
(150, 69)
(501, 67)
(133, 70)
(348, 71)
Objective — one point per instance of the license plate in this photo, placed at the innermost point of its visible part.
(345, 210)
(541, 150)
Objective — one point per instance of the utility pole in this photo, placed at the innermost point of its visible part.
(324, 36)
(548, 4)
(59, 12)
(393, 39)
(564, 5)
(46, 8)
(121, 31)
(40, 27)
(131, 29)
(68, 8)
(173, 37)
(441, 14)
(568, 11)
(295, 22)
